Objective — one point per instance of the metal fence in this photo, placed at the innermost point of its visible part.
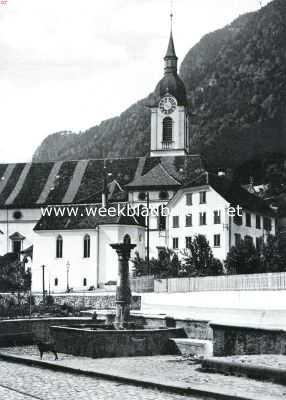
(142, 284)
(271, 281)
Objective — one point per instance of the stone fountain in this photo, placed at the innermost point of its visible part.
(122, 338)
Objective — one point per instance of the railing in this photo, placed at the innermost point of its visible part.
(142, 284)
(167, 145)
(271, 281)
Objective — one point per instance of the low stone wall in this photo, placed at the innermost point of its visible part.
(112, 343)
(194, 329)
(39, 328)
(88, 300)
(238, 340)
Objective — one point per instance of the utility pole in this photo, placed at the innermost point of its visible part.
(148, 233)
(43, 276)
(68, 270)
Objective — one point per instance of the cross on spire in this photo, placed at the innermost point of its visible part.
(171, 15)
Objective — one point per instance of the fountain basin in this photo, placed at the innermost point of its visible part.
(115, 343)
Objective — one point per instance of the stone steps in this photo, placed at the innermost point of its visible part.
(194, 347)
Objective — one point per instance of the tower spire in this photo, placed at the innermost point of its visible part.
(170, 58)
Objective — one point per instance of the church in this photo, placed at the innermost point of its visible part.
(73, 251)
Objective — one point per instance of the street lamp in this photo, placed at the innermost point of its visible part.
(68, 270)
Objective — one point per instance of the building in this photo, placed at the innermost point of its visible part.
(222, 211)
(75, 248)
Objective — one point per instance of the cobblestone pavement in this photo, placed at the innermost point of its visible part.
(24, 382)
(164, 369)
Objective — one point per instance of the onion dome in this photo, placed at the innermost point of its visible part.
(171, 83)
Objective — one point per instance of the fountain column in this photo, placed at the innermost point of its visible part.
(123, 291)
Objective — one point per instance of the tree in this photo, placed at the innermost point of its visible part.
(166, 266)
(243, 258)
(273, 255)
(198, 259)
(13, 276)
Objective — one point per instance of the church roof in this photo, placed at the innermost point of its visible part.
(154, 178)
(172, 84)
(32, 185)
(86, 220)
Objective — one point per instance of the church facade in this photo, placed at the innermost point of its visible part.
(75, 249)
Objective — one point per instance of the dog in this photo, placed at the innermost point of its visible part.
(45, 347)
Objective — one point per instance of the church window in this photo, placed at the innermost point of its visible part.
(59, 247)
(167, 130)
(84, 282)
(56, 281)
(17, 214)
(164, 195)
(86, 246)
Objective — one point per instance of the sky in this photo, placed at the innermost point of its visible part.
(66, 65)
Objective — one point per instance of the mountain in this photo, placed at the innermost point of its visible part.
(236, 85)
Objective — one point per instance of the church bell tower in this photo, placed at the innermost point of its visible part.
(169, 113)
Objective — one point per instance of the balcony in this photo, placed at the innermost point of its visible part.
(167, 145)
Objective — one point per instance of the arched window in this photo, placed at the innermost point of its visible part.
(56, 281)
(59, 247)
(84, 281)
(86, 246)
(127, 239)
(161, 219)
(167, 130)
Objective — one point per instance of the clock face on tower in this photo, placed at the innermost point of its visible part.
(167, 105)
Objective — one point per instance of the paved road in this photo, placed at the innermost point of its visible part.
(20, 382)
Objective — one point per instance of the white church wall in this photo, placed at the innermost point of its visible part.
(56, 268)
(24, 226)
(108, 259)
